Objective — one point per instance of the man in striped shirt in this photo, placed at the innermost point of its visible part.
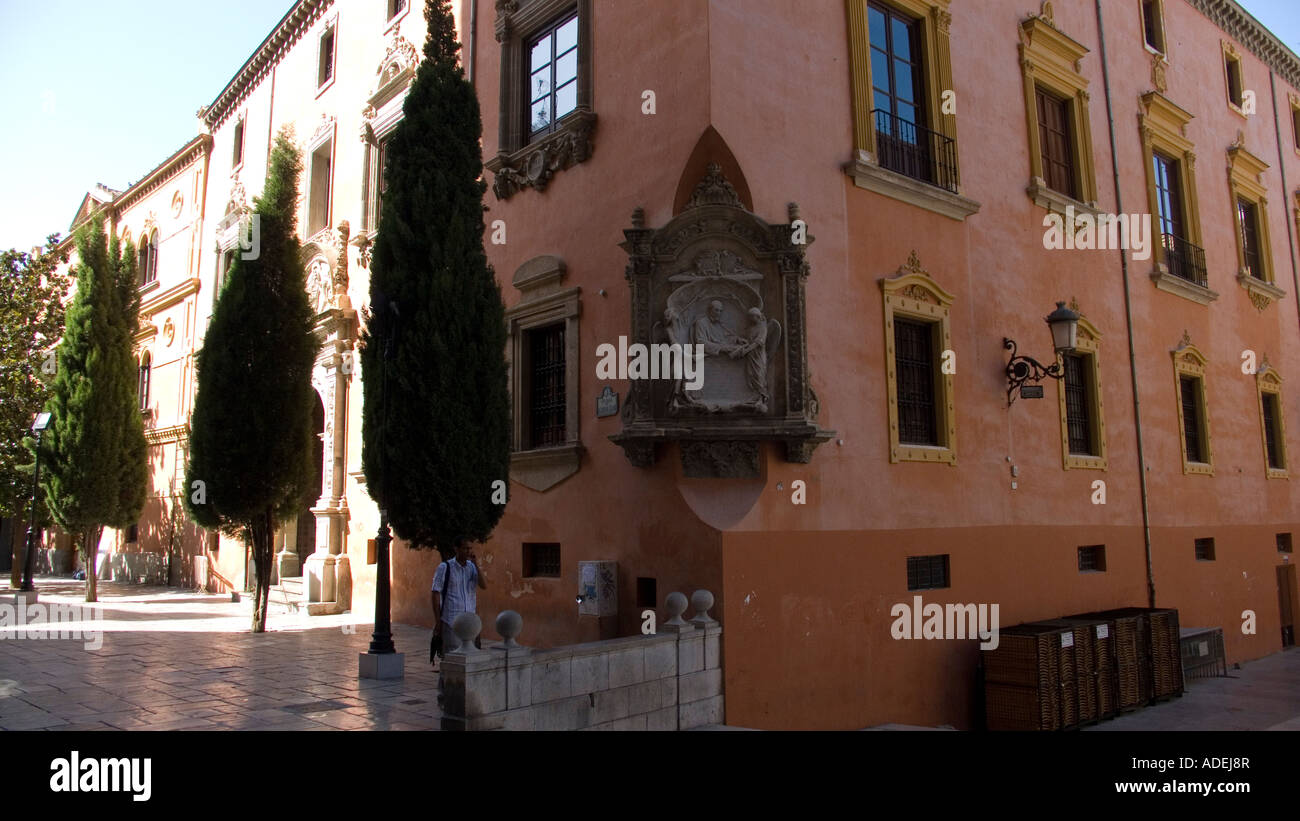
(455, 590)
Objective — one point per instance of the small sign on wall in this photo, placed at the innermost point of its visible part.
(1031, 391)
(606, 403)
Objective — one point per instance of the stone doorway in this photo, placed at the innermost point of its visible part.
(306, 518)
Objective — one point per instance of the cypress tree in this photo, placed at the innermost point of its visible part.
(94, 447)
(250, 432)
(437, 436)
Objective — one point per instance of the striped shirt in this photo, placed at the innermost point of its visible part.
(460, 595)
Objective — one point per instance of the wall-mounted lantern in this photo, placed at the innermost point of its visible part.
(1024, 372)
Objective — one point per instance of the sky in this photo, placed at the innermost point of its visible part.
(94, 91)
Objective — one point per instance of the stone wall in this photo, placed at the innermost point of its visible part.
(671, 680)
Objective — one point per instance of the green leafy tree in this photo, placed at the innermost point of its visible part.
(94, 466)
(250, 432)
(436, 432)
(33, 287)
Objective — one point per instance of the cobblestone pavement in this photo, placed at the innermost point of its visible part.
(178, 660)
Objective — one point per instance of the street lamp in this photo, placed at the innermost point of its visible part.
(29, 561)
(379, 662)
(1024, 372)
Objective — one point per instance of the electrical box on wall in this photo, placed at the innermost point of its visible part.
(598, 588)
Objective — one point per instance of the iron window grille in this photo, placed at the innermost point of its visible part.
(1078, 405)
(1092, 558)
(1205, 550)
(1190, 389)
(547, 397)
(1284, 543)
(1272, 445)
(927, 572)
(915, 373)
(542, 559)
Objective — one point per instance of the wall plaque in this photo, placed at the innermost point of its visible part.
(606, 403)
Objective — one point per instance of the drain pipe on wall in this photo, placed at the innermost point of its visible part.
(1128, 319)
(473, 39)
(1286, 206)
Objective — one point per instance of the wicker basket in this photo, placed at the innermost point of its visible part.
(1147, 653)
(1030, 679)
(1094, 674)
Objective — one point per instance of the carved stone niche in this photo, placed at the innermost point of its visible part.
(721, 280)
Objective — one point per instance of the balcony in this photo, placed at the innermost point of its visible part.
(1184, 259)
(915, 151)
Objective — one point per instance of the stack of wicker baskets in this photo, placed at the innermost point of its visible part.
(1023, 687)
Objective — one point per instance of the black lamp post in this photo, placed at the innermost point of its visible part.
(381, 641)
(1024, 372)
(29, 560)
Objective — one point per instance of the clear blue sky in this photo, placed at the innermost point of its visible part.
(104, 91)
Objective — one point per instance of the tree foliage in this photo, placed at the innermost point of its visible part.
(437, 435)
(250, 453)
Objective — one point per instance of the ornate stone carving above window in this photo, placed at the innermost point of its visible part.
(719, 277)
(519, 162)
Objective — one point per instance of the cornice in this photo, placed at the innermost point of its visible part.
(284, 36)
(170, 296)
(160, 436)
(188, 154)
(1245, 29)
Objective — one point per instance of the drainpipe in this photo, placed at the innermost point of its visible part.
(473, 39)
(1286, 206)
(1128, 319)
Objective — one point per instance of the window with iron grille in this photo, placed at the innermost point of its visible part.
(1272, 439)
(546, 400)
(1284, 543)
(552, 75)
(1247, 219)
(647, 592)
(1190, 390)
(927, 572)
(1092, 558)
(239, 145)
(915, 373)
(1205, 550)
(1079, 404)
(381, 179)
(542, 559)
(1054, 138)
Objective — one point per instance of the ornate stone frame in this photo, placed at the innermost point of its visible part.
(326, 132)
(1163, 127)
(1088, 343)
(1163, 51)
(912, 293)
(381, 116)
(1050, 59)
(715, 250)
(1269, 381)
(544, 302)
(1231, 55)
(518, 163)
(935, 21)
(1189, 361)
(1244, 174)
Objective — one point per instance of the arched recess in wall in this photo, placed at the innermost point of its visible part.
(711, 148)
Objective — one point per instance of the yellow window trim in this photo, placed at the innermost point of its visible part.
(1189, 361)
(936, 51)
(913, 294)
(1268, 380)
(1050, 59)
(1163, 127)
(1244, 170)
(1295, 131)
(1230, 54)
(1089, 342)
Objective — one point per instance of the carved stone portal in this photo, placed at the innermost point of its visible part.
(720, 278)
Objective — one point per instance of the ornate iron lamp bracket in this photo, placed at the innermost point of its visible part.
(1025, 370)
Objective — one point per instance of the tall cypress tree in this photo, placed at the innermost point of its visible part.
(250, 433)
(436, 432)
(94, 447)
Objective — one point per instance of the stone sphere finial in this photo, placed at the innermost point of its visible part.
(702, 601)
(467, 626)
(675, 604)
(509, 624)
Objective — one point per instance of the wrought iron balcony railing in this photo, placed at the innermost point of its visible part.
(1184, 259)
(915, 151)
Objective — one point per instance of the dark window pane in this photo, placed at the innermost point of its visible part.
(1247, 219)
(1055, 144)
(915, 374)
(1272, 437)
(901, 32)
(927, 572)
(541, 559)
(1151, 24)
(1092, 558)
(1190, 389)
(547, 395)
(1205, 550)
(1078, 405)
(1234, 81)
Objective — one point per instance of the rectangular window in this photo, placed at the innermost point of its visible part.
(1152, 25)
(1284, 543)
(318, 218)
(647, 593)
(1272, 431)
(927, 572)
(542, 559)
(239, 144)
(395, 7)
(1092, 559)
(1078, 405)
(1295, 127)
(915, 369)
(552, 75)
(547, 398)
(1205, 550)
(1190, 393)
(133, 533)
(381, 179)
(1233, 67)
(325, 70)
(1055, 140)
(1248, 222)
(904, 141)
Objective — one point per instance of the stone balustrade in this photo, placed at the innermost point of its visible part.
(671, 680)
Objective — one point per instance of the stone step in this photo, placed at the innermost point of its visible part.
(291, 584)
